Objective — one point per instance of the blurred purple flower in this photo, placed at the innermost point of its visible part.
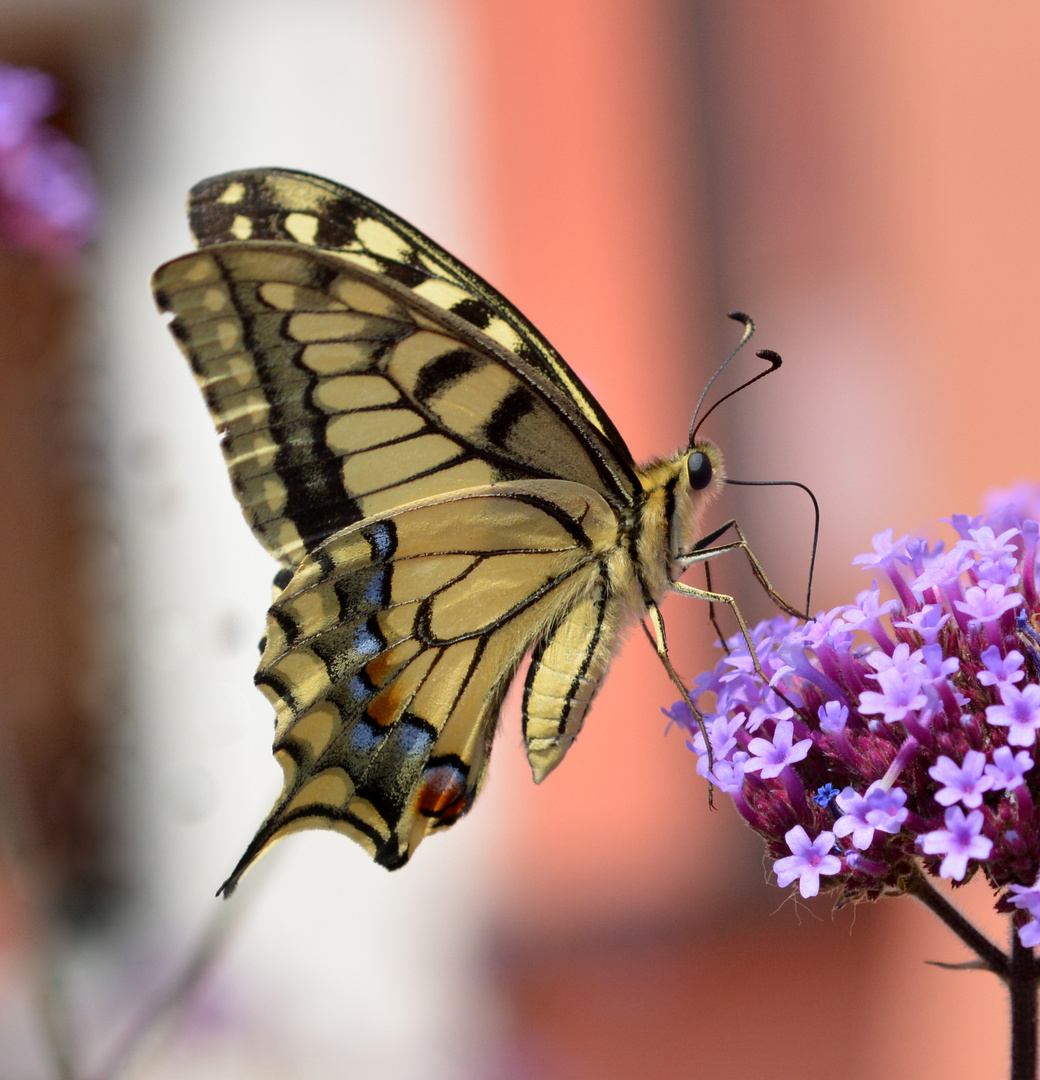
(47, 199)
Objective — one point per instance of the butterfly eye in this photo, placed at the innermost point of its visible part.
(698, 468)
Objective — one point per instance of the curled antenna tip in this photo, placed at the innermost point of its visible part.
(739, 316)
(773, 357)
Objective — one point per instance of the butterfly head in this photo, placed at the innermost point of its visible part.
(700, 476)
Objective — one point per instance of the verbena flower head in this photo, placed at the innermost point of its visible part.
(892, 735)
(47, 201)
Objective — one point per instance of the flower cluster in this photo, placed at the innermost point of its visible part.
(47, 201)
(896, 734)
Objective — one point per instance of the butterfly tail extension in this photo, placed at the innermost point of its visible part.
(567, 668)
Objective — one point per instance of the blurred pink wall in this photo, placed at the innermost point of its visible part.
(862, 179)
(578, 110)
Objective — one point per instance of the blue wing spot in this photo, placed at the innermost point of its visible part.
(375, 590)
(359, 689)
(413, 738)
(381, 537)
(364, 738)
(365, 642)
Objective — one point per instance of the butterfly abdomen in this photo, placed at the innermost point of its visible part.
(572, 657)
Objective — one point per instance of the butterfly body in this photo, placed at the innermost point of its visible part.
(443, 493)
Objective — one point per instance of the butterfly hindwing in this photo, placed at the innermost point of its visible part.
(282, 204)
(341, 395)
(389, 651)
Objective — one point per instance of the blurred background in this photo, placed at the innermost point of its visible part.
(859, 177)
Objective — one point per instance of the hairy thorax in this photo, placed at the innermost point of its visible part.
(668, 520)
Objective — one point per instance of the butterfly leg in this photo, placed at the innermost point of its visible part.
(731, 603)
(660, 644)
(703, 551)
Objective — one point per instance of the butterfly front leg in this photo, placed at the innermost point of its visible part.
(703, 552)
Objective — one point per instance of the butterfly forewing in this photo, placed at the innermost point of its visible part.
(388, 653)
(281, 204)
(341, 395)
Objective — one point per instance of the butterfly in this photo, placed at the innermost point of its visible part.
(444, 495)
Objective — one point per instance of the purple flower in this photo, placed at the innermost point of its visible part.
(1001, 669)
(998, 572)
(728, 775)
(1026, 897)
(987, 605)
(27, 97)
(771, 758)
(878, 809)
(1008, 769)
(960, 841)
(885, 551)
(961, 783)
(927, 622)
(900, 694)
(1029, 933)
(810, 860)
(901, 662)
(722, 736)
(1019, 713)
(1013, 506)
(941, 571)
(988, 545)
(833, 716)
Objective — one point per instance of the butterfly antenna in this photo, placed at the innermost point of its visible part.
(749, 329)
(816, 511)
(763, 354)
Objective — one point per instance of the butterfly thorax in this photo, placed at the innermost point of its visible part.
(669, 514)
